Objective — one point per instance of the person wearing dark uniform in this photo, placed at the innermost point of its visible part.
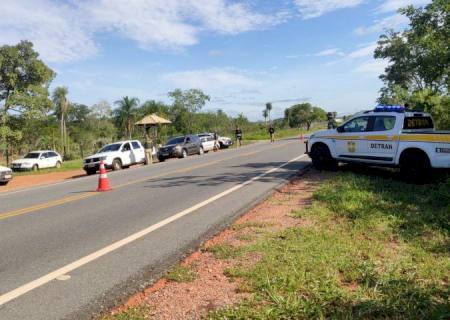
(238, 134)
(272, 133)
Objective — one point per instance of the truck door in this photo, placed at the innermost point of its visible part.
(126, 154)
(351, 140)
(382, 142)
(138, 152)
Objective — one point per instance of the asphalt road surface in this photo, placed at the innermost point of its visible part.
(67, 252)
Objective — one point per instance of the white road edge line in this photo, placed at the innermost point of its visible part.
(11, 295)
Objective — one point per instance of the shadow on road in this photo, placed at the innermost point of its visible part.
(232, 176)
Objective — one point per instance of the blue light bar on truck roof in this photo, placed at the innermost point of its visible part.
(382, 108)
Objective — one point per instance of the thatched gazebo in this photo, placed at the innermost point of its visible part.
(152, 121)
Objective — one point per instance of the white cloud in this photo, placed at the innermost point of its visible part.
(372, 67)
(390, 22)
(315, 8)
(394, 5)
(213, 79)
(57, 31)
(329, 52)
(65, 32)
(292, 56)
(230, 18)
(363, 52)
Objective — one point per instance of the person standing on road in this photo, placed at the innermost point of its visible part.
(216, 142)
(238, 134)
(272, 133)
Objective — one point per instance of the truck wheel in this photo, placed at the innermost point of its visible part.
(58, 165)
(184, 154)
(35, 167)
(116, 164)
(161, 159)
(201, 151)
(415, 167)
(3, 183)
(90, 172)
(322, 159)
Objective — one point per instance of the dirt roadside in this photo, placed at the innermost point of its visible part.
(202, 282)
(26, 181)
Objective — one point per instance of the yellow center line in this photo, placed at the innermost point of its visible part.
(89, 194)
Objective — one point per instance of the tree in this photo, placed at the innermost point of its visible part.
(125, 114)
(419, 56)
(24, 81)
(185, 104)
(304, 114)
(101, 110)
(419, 61)
(265, 114)
(152, 106)
(269, 109)
(61, 105)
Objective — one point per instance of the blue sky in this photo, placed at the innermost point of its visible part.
(241, 53)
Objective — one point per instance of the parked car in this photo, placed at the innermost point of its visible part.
(36, 160)
(116, 156)
(208, 142)
(181, 147)
(5, 175)
(225, 142)
(386, 136)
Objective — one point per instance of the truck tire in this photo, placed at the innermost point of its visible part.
(415, 166)
(161, 159)
(90, 172)
(201, 151)
(116, 164)
(322, 159)
(184, 153)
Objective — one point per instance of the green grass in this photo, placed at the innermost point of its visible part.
(181, 274)
(263, 134)
(375, 248)
(136, 313)
(66, 166)
(224, 251)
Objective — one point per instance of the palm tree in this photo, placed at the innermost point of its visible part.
(61, 105)
(125, 114)
(265, 114)
(268, 108)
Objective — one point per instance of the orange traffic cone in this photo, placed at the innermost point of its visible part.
(103, 182)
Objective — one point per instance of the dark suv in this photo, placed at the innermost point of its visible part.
(180, 147)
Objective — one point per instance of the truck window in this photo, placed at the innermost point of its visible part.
(383, 123)
(418, 123)
(135, 145)
(357, 125)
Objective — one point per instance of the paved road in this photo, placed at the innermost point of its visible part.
(67, 252)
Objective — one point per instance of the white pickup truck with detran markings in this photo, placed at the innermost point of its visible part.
(385, 136)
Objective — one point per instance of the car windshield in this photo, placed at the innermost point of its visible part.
(32, 155)
(110, 148)
(176, 140)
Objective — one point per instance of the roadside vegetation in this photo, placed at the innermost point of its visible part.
(371, 248)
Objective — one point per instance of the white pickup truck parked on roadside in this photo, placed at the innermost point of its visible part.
(116, 156)
(5, 175)
(386, 136)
